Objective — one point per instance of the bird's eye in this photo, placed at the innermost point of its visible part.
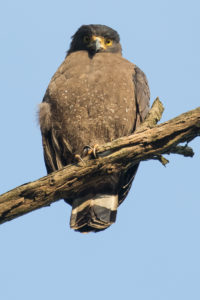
(108, 42)
(86, 39)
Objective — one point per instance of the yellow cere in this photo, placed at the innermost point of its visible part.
(105, 42)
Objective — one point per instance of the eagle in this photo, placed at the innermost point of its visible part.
(94, 97)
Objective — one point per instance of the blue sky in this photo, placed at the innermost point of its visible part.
(152, 252)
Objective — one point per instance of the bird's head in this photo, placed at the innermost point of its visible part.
(94, 39)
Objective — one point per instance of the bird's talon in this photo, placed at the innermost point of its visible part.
(95, 148)
(78, 158)
(91, 150)
(86, 150)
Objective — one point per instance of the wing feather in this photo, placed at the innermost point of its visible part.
(57, 150)
(142, 97)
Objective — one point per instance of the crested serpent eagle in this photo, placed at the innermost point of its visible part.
(94, 97)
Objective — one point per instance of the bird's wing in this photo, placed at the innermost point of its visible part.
(57, 150)
(142, 97)
(142, 94)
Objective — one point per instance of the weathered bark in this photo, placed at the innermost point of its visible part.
(150, 141)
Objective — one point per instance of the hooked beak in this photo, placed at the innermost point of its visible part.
(97, 44)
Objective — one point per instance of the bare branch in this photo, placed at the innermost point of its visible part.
(154, 115)
(147, 143)
(182, 150)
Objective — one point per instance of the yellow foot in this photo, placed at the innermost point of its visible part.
(88, 150)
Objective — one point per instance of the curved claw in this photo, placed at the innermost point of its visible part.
(88, 150)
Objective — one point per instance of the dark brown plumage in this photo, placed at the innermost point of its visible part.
(95, 96)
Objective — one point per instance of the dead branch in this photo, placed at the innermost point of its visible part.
(150, 141)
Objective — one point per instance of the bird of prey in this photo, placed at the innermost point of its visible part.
(94, 97)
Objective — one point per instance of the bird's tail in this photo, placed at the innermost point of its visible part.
(93, 213)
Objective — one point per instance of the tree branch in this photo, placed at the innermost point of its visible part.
(148, 142)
